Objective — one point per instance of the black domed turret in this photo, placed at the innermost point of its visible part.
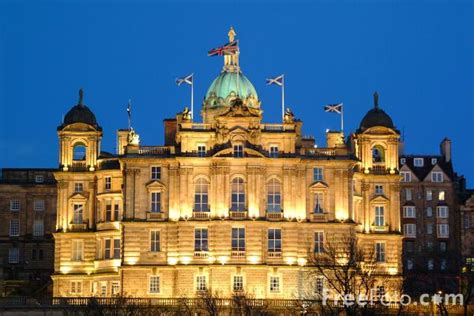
(80, 113)
(376, 117)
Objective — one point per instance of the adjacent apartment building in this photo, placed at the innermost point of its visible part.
(28, 216)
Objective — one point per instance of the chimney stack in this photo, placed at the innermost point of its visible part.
(446, 149)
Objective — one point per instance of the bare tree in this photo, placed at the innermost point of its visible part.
(210, 302)
(245, 304)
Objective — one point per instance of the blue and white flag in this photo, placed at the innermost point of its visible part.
(335, 108)
(277, 80)
(188, 79)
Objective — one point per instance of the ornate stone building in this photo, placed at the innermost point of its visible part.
(232, 203)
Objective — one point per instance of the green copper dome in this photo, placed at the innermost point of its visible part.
(228, 84)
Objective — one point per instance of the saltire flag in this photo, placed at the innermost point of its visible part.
(188, 79)
(277, 80)
(335, 108)
(227, 49)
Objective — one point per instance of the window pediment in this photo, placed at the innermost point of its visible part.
(381, 199)
(318, 186)
(155, 185)
(78, 197)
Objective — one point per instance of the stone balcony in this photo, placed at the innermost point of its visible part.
(238, 214)
(201, 215)
(318, 217)
(274, 216)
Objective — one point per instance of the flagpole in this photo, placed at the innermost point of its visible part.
(283, 97)
(342, 117)
(192, 97)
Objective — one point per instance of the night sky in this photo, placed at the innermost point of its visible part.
(418, 56)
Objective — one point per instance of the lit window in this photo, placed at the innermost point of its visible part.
(274, 284)
(38, 228)
(273, 196)
(430, 264)
(14, 227)
(115, 288)
(38, 205)
(318, 203)
(380, 251)
(155, 173)
(201, 198)
(378, 189)
(429, 229)
(318, 242)
(274, 240)
(406, 176)
(379, 216)
(436, 176)
(39, 178)
(77, 250)
(201, 152)
(238, 239)
(274, 151)
(441, 195)
(443, 230)
(77, 216)
(156, 202)
(201, 284)
(409, 212)
(434, 161)
(318, 174)
(13, 255)
(154, 284)
(238, 283)
(418, 162)
(201, 239)
(429, 195)
(442, 212)
(409, 230)
(238, 151)
(155, 241)
(15, 205)
(76, 287)
(108, 183)
(429, 211)
(408, 194)
(78, 187)
(238, 195)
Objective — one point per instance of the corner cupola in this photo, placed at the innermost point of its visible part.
(376, 117)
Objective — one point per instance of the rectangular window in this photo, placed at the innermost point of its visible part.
(274, 284)
(115, 288)
(201, 239)
(78, 187)
(379, 216)
(40, 254)
(318, 242)
(319, 286)
(378, 189)
(318, 174)
(429, 212)
(380, 251)
(201, 151)
(108, 211)
(238, 239)
(14, 227)
(103, 289)
(33, 254)
(238, 283)
(409, 212)
(116, 211)
(39, 178)
(442, 212)
(108, 183)
(436, 176)
(116, 248)
(406, 176)
(409, 246)
(443, 246)
(155, 173)
(76, 287)
(238, 151)
(38, 205)
(434, 161)
(442, 265)
(274, 240)
(156, 202)
(467, 220)
(78, 209)
(13, 255)
(15, 205)
(318, 203)
(409, 230)
(409, 264)
(441, 196)
(443, 230)
(408, 195)
(430, 264)
(429, 229)
(274, 151)
(201, 284)
(155, 241)
(38, 228)
(77, 250)
(429, 195)
(154, 284)
(418, 162)
(107, 252)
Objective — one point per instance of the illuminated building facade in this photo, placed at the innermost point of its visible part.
(230, 204)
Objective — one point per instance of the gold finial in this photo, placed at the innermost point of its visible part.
(231, 34)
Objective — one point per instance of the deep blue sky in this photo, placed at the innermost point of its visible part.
(419, 56)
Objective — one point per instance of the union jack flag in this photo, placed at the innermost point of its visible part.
(335, 108)
(188, 79)
(227, 49)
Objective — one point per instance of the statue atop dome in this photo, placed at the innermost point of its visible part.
(231, 34)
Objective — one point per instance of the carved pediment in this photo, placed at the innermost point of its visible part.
(379, 199)
(318, 186)
(239, 109)
(155, 185)
(79, 197)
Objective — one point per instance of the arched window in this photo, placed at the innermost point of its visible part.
(201, 197)
(238, 195)
(378, 154)
(79, 152)
(273, 196)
